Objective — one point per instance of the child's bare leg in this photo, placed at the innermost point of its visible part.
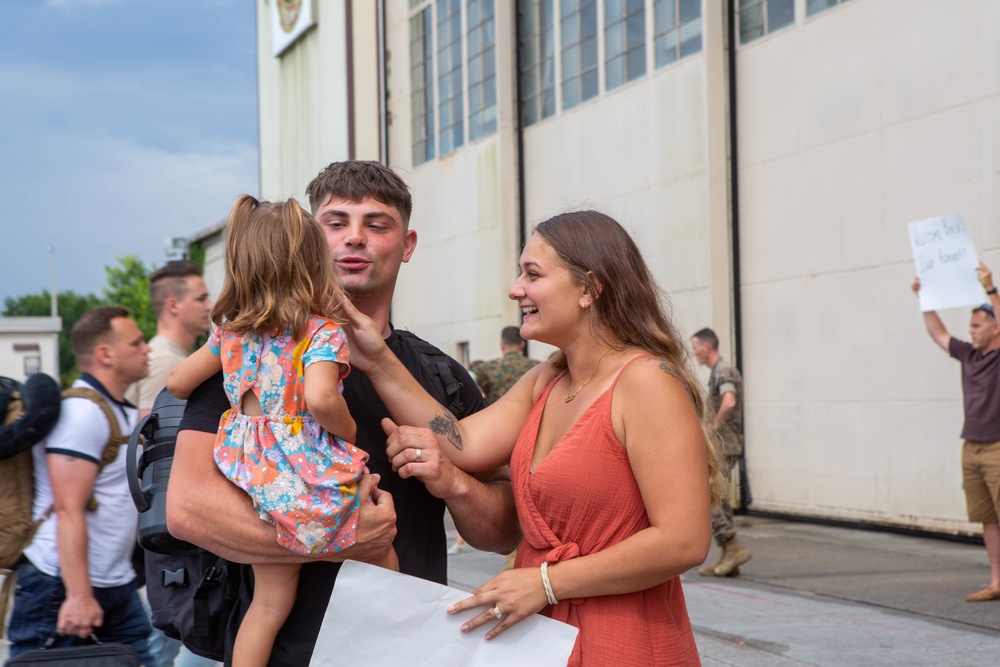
(274, 592)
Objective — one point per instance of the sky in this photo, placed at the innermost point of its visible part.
(122, 123)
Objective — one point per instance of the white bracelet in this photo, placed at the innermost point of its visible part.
(544, 569)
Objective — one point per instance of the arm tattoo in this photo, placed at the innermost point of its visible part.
(445, 425)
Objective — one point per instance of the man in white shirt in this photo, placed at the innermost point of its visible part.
(76, 577)
(180, 301)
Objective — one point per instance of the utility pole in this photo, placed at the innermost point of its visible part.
(52, 264)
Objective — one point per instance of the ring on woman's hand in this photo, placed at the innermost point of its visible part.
(497, 613)
(420, 455)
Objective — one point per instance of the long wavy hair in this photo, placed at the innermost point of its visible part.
(278, 270)
(629, 308)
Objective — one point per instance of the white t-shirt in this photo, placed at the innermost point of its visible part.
(83, 431)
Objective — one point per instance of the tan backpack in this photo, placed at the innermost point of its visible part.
(17, 493)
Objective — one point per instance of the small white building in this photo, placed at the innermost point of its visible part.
(29, 345)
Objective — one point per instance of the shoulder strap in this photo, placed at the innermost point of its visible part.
(440, 366)
(115, 440)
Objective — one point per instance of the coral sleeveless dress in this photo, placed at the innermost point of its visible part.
(301, 478)
(580, 499)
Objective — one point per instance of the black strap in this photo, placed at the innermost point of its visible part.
(452, 387)
(155, 454)
(439, 364)
(209, 582)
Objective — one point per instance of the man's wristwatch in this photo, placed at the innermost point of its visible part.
(991, 292)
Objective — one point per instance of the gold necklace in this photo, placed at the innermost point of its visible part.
(570, 397)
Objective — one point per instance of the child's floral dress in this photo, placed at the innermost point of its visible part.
(301, 478)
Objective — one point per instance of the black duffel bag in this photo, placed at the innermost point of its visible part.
(86, 655)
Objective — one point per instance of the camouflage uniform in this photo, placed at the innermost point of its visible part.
(725, 378)
(496, 376)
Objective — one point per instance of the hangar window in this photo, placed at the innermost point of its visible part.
(624, 41)
(451, 128)
(578, 28)
(482, 69)
(762, 17)
(676, 30)
(538, 61)
(422, 86)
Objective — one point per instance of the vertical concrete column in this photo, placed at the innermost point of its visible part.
(508, 160)
(364, 59)
(719, 193)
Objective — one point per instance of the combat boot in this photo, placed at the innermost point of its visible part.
(734, 554)
(708, 570)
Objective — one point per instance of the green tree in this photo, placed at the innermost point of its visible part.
(71, 306)
(196, 253)
(128, 287)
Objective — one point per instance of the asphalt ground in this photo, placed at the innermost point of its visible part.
(822, 596)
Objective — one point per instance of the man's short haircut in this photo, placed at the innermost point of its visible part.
(93, 327)
(511, 336)
(357, 180)
(170, 281)
(987, 310)
(708, 337)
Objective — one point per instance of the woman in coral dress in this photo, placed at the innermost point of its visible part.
(613, 470)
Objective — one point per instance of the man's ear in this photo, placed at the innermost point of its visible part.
(102, 354)
(409, 244)
(170, 305)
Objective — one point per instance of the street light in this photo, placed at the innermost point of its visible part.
(52, 264)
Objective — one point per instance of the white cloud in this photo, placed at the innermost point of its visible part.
(108, 197)
(110, 156)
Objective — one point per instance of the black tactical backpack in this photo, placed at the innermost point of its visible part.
(191, 591)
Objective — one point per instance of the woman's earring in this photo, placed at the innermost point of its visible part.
(585, 305)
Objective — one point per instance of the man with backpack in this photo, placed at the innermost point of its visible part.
(76, 578)
(364, 208)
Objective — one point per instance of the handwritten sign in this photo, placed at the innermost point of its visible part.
(946, 263)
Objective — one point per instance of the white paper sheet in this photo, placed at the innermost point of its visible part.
(946, 262)
(379, 618)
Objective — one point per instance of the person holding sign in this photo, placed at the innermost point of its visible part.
(980, 361)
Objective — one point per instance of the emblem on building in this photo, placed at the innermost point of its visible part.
(289, 10)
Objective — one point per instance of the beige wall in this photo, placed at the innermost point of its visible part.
(465, 213)
(303, 97)
(851, 124)
(658, 182)
(652, 154)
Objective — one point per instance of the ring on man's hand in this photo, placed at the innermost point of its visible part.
(497, 613)
(420, 455)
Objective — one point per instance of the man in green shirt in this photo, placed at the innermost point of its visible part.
(496, 376)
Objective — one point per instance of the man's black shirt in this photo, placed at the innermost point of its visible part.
(420, 539)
